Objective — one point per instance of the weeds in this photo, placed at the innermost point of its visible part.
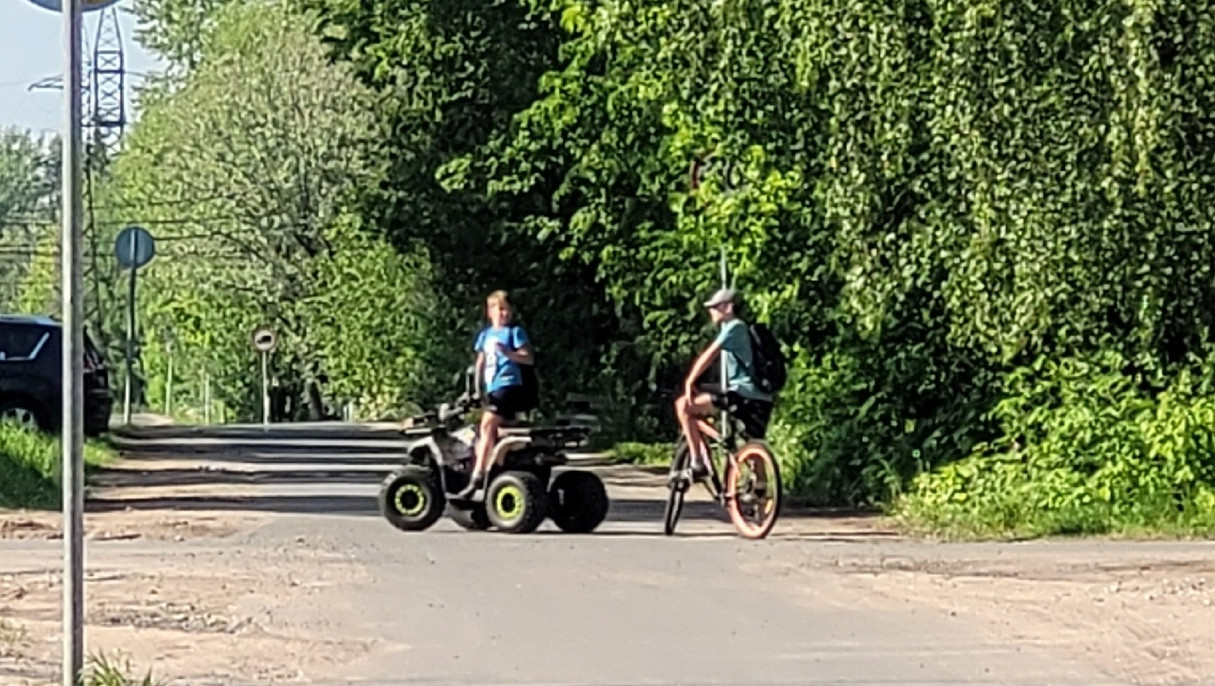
(11, 636)
(100, 671)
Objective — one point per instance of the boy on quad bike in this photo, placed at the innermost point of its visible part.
(502, 352)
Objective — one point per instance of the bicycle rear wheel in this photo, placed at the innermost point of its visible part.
(753, 482)
(677, 486)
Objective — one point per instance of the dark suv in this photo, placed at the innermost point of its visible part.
(31, 376)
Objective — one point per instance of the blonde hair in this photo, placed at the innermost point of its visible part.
(497, 298)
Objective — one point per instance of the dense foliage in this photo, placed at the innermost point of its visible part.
(28, 194)
(979, 227)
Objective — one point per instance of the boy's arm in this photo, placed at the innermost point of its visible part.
(706, 358)
(522, 353)
(479, 371)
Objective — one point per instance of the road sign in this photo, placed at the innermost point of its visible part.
(708, 165)
(263, 339)
(134, 247)
(86, 5)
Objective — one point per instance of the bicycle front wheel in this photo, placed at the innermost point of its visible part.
(677, 486)
(754, 488)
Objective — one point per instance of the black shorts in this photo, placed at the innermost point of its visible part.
(754, 414)
(507, 402)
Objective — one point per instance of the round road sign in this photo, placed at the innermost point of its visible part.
(134, 247)
(85, 5)
(710, 165)
(264, 339)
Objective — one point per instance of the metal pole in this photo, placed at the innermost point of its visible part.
(72, 286)
(722, 354)
(169, 384)
(126, 406)
(265, 389)
(206, 396)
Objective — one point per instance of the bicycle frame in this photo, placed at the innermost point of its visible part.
(725, 440)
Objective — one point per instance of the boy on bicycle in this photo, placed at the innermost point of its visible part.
(740, 390)
(501, 349)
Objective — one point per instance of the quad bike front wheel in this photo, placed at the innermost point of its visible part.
(516, 502)
(579, 502)
(410, 498)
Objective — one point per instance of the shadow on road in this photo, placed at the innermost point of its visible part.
(332, 470)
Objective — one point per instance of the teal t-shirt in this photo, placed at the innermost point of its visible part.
(736, 341)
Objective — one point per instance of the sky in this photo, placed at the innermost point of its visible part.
(31, 49)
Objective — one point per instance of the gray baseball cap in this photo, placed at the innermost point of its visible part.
(722, 296)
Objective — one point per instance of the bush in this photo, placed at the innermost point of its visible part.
(29, 467)
(643, 453)
(856, 423)
(1087, 448)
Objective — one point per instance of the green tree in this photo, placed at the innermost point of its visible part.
(28, 197)
(453, 75)
(245, 170)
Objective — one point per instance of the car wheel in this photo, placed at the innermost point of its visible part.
(22, 413)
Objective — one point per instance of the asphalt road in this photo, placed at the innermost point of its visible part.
(624, 605)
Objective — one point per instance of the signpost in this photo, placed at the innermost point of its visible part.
(72, 288)
(169, 338)
(134, 248)
(264, 341)
(703, 166)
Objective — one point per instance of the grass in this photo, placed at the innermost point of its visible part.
(100, 671)
(11, 636)
(29, 467)
(642, 453)
(1001, 518)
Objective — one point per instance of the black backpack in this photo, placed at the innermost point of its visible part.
(768, 360)
(531, 385)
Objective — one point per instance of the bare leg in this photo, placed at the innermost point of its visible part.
(485, 446)
(700, 406)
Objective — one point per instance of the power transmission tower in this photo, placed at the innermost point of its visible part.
(109, 109)
(106, 121)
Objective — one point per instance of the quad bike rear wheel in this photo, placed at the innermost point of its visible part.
(579, 502)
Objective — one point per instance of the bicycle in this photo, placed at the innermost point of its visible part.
(748, 495)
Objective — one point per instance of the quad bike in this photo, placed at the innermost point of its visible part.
(519, 492)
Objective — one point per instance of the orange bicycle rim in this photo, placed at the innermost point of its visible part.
(755, 455)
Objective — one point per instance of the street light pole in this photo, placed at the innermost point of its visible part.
(72, 461)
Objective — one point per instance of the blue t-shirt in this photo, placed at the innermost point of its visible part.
(736, 341)
(500, 371)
